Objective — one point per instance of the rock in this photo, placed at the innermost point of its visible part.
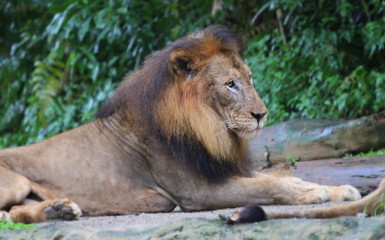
(317, 139)
(364, 173)
(340, 228)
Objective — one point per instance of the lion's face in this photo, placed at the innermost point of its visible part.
(231, 93)
(210, 97)
(197, 99)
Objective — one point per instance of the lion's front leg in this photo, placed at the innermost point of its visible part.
(312, 193)
(265, 190)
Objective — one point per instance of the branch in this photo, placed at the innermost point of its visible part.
(280, 24)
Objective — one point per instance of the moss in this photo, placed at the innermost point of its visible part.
(8, 225)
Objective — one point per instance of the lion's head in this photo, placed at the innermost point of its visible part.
(197, 97)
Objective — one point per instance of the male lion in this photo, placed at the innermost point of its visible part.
(174, 133)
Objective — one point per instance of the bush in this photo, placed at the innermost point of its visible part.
(63, 59)
(329, 63)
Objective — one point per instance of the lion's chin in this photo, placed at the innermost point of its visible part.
(248, 134)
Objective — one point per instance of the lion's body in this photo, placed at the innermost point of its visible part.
(89, 169)
(175, 132)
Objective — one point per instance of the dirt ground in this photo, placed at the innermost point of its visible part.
(149, 220)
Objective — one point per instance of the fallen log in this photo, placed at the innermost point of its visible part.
(317, 139)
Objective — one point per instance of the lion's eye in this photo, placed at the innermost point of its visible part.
(251, 78)
(230, 84)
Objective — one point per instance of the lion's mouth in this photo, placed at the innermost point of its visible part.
(247, 133)
(245, 129)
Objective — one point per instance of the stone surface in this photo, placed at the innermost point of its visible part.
(137, 221)
(364, 173)
(341, 228)
(317, 139)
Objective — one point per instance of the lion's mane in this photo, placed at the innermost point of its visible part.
(176, 112)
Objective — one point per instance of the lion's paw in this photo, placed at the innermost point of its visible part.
(344, 193)
(314, 196)
(64, 210)
(4, 216)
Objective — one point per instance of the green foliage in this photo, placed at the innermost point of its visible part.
(328, 64)
(292, 160)
(372, 153)
(8, 225)
(62, 59)
(378, 208)
(59, 60)
(368, 154)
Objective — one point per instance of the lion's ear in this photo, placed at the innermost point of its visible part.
(180, 62)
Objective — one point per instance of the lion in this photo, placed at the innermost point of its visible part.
(174, 133)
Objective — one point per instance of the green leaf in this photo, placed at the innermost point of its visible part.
(84, 29)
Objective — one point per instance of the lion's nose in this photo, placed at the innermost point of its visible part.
(258, 116)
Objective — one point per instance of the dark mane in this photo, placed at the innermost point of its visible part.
(142, 89)
(156, 67)
(195, 156)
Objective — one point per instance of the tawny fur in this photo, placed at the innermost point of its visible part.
(193, 112)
